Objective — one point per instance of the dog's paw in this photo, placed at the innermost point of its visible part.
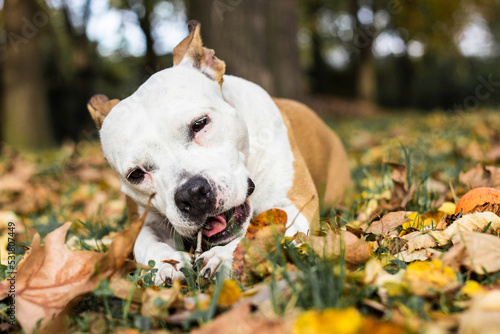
(174, 269)
(217, 258)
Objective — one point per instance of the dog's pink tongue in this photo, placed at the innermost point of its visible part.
(217, 224)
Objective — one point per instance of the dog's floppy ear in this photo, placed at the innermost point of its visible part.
(191, 52)
(99, 107)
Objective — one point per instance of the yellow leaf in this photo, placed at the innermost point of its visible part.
(448, 208)
(429, 277)
(472, 289)
(414, 220)
(347, 321)
(229, 294)
(420, 222)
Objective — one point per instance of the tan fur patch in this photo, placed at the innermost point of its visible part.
(322, 151)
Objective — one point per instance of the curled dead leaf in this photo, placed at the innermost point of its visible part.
(481, 176)
(241, 319)
(388, 223)
(51, 276)
(483, 316)
(356, 250)
(487, 222)
(243, 264)
(157, 303)
(475, 251)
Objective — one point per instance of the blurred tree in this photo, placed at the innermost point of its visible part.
(256, 38)
(144, 9)
(354, 26)
(26, 122)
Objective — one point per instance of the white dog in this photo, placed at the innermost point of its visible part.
(216, 150)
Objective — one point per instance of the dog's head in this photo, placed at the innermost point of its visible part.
(178, 138)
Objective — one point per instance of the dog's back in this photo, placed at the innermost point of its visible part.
(321, 149)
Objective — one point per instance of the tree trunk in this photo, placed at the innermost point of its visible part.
(26, 123)
(365, 79)
(256, 38)
(151, 59)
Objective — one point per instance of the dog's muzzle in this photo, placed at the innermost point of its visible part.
(195, 199)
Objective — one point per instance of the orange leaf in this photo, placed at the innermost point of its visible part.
(275, 217)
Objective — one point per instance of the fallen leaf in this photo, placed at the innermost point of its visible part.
(475, 251)
(340, 321)
(241, 319)
(418, 255)
(51, 276)
(374, 326)
(487, 207)
(428, 220)
(448, 208)
(242, 266)
(429, 278)
(229, 294)
(401, 194)
(476, 222)
(472, 289)
(356, 250)
(387, 284)
(389, 222)
(157, 303)
(427, 240)
(481, 176)
(483, 316)
(122, 287)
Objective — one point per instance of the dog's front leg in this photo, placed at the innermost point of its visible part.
(218, 258)
(147, 247)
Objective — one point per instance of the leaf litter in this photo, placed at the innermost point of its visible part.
(396, 258)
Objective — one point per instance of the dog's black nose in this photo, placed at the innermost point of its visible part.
(195, 198)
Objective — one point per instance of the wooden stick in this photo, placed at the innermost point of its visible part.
(198, 250)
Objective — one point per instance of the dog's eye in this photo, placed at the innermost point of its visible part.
(199, 124)
(136, 176)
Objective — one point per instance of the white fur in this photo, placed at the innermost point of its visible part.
(245, 138)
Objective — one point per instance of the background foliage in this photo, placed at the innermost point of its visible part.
(342, 57)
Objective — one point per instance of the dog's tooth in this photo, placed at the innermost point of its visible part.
(207, 227)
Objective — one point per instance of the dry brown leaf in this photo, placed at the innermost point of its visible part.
(157, 303)
(483, 316)
(487, 207)
(121, 288)
(475, 251)
(375, 326)
(400, 193)
(476, 222)
(240, 319)
(388, 223)
(418, 255)
(356, 250)
(481, 176)
(427, 240)
(49, 277)
(241, 265)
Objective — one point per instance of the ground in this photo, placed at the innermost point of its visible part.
(392, 257)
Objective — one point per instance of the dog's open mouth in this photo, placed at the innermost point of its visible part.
(227, 226)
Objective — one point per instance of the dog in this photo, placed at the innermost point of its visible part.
(216, 150)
